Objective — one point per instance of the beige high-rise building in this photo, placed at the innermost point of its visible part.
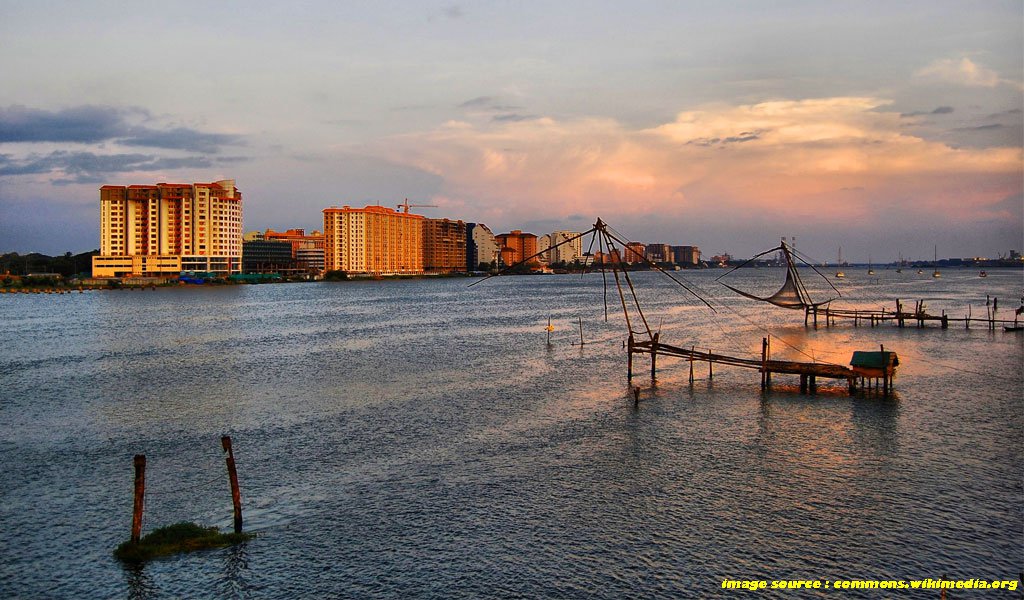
(163, 229)
(566, 252)
(373, 240)
(444, 245)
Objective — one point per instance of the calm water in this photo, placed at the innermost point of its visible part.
(418, 438)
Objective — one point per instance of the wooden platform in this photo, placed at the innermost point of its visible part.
(856, 378)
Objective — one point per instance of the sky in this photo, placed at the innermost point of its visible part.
(885, 128)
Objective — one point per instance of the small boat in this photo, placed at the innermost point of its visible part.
(839, 273)
(1013, 327)
(936, 273)
(983, 274)
(871, 271)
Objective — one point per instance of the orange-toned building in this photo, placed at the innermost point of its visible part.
(373, 240)
(516, 246)
(307, 250)
(163, 229)
(444, 245)
(634, 252)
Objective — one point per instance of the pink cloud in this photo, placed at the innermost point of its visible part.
(818, 160)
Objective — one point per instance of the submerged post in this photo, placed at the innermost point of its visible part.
(581, 330)
(140, 495)
(764, 362)
(629, 359)
(692, 349)
(654, 354)
(236, 495)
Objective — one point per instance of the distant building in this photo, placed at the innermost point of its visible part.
(566, 252)
(516, 246)
(657, 253)
(481, 247)
(163, 229)
(373, 240)
(634, 252)
(252, 236)
(307, 250)
(267, 256)
(444, 246)
(686, 255)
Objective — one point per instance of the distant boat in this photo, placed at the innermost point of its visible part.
(870, 270)
(983, 274)
(936, 273)
(900, 268)
(839, 272)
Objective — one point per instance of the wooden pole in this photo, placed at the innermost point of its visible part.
(654, 355)
(711, 366)
(692, 348)
(581, 330)
(636, 396)
(764, 357)
(236, 495)
(629, 360)
(140, 496)
(768, 356)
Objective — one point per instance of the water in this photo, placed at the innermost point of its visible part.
(418, 438)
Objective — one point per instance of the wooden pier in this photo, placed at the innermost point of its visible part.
(875, 367)
(901, 317)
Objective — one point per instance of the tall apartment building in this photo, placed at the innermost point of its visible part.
(657, 253)
(516, 246)
(373, 240)
(634, 252)
(566, 252)
(163, 229)
(686, 255)
(481, 246)
(444, 245)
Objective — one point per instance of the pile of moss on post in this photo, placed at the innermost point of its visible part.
(180, 537)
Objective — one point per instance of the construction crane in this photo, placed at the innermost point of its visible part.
(407, 206)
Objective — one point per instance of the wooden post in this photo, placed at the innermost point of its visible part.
(654, 355)
(851, 385)
(764, 358)
(803, 384)
(236, 495)
(812, 383)
(140, 496)
(945, 320)
(581, 331)
(691, 363)
(815, 317)
(629, 361)
(711, 366)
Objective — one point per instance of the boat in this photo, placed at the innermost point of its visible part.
(870, 270)
(839, 272)
(983, 274)
(936, 273)
(793, 294)
(899, 269)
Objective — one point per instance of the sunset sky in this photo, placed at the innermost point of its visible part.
(882, 127)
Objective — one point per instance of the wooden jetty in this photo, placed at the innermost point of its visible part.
(866, 368)
(900, 317)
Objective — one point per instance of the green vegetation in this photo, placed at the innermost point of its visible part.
(180, 537)
(336, 276)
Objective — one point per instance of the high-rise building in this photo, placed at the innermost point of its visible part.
(481, 247)
(687, 255)
(657, 253)
(444, 245)
(634, 252)
(516, 246)
(566, 252)
(374, 240)
(163, 229)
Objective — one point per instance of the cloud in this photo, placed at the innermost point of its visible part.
(83, 124)
(179, 138)
(89, 167)
(720, 164)
(513, 117)
(941, 110)
(962, 71)
(487, 104)
(89, 124)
